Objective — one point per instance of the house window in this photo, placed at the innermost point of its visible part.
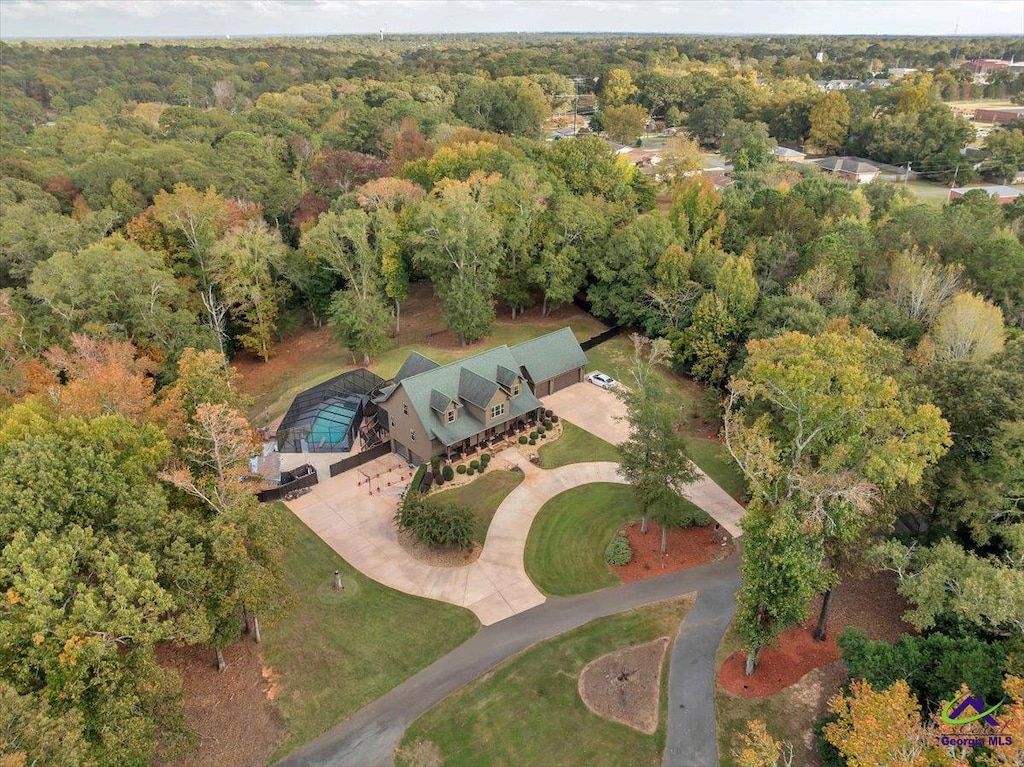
(412, 435)
(515, 389)
(405, 409)
(498, 410)
(451, 415)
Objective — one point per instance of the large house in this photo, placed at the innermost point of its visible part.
(430, 409)
(998, 192)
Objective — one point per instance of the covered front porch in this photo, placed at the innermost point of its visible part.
(494, 436)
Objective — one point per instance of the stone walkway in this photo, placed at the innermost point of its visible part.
(359, 527)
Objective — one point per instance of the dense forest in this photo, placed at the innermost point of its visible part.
(166, 205)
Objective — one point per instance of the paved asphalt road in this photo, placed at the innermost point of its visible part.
(368, 738)
(691, 740)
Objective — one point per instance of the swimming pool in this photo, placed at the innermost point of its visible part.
(333, 423)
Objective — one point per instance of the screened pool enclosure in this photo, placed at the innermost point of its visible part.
(327, 418)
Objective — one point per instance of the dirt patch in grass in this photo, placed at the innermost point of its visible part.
(443, 557)
(687, 547)
(422, 753)
(867, 601)
(625, 685)
(233, 713)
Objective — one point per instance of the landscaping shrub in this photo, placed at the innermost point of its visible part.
(541, 430)
(474, 464)
(428, 480)
(461, 468)
(618, 551)
(485, 459)
(554, 419)
(435, 464)
(548, 414)
(470, 471)
(417, 478)
(547, 424)
(435, 523)
(533, 441)
(448, 473)
(438, 480)
(523, 440)
(533, 435)
(483, 466)
(691, 516)
(542, 435)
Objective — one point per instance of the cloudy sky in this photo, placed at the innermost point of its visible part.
(171, 18)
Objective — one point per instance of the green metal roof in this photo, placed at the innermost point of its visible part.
(414, 364)
(550, 355)
(475, 379)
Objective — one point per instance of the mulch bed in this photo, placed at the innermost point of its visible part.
(687, 547)
(233, 713)
(868, 601)
(443, 557)
(625, 685)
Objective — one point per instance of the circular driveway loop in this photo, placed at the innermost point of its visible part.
(359, 527)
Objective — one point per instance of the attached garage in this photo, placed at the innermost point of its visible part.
(552, 362)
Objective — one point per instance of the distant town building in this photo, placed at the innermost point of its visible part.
(837, 85)
(985, 66)
(849, 168)
(1000, 116)
(999, 192)
(785, 154)
(895, 73)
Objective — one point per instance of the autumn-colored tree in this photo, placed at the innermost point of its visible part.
(821, 431)
(395, 194)
(339, 171)
(682, 157)
(967, 328)
(407, 143)
(624, 123)
(616, 87)
(880, 728)
(920, 286)
(757, 748)
(245, 264)
(830, 122)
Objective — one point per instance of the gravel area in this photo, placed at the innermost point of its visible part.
(625, 685)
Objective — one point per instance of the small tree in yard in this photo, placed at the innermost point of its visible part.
(434, 523)
(654, 457)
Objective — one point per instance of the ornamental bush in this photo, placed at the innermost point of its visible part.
(434, 523)
(618, 551)
(448, 473)
(554, 419)
(547, 423)
(428, 480)
(533, 441)
(435, 465)
(485, 459)
(533, 435)
(548, 414)
(474, 464)
(461, 468)
(417, 478)
(470, 471)
(541, 430)
(523, 440)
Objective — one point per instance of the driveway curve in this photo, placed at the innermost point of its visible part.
(368, 737)
(358, 526)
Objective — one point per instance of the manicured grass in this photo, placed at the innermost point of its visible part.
(483, 496)
(565, 548)
(528, 711)
(335, 652)
(576, 446)
(716, 462)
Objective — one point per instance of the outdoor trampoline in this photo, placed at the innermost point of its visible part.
(326, 418)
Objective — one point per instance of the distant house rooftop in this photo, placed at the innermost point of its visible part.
(1000, 192)
(784, 152)
(847, 165)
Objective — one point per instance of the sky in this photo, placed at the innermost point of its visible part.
(195, 18)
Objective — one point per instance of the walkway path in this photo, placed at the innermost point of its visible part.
(368, 738)
(603, 414)
(359, 527)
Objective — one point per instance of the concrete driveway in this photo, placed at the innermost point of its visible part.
(358, 525)
(603, 414)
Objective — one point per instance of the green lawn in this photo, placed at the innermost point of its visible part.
(336, 652)
(576, 446)
(716, 462)
(528, 711)
(565, 548)
(483, 496)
